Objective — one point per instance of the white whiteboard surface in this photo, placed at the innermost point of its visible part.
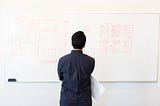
(2, 30)
(125, 46)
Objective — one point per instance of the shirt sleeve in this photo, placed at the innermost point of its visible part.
(60, 70)
(93, 64)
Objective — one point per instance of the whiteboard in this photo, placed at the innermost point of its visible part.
(125, 46)
(2, 28)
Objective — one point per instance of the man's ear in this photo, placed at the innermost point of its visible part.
(84, 45)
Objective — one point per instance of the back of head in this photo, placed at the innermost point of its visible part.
(78, 40)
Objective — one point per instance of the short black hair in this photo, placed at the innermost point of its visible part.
(78, 40)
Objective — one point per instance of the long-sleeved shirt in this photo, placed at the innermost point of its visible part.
(74, 70)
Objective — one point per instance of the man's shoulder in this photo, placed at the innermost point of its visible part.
(89, 57)
(64, 57)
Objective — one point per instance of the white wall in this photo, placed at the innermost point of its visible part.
(47, 94)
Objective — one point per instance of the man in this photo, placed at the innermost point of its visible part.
(74, 70)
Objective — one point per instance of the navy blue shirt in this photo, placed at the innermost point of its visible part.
(74, 70)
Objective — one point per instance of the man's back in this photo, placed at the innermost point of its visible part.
(74, 71)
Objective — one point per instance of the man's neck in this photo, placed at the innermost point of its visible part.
(77, 49)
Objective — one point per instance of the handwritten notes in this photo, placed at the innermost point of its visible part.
(39, 38)
(123, 45)
(116, 38)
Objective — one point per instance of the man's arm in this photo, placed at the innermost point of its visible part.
(93, 64)
(60, 70)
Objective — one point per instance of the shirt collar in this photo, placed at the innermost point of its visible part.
(77, 51)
